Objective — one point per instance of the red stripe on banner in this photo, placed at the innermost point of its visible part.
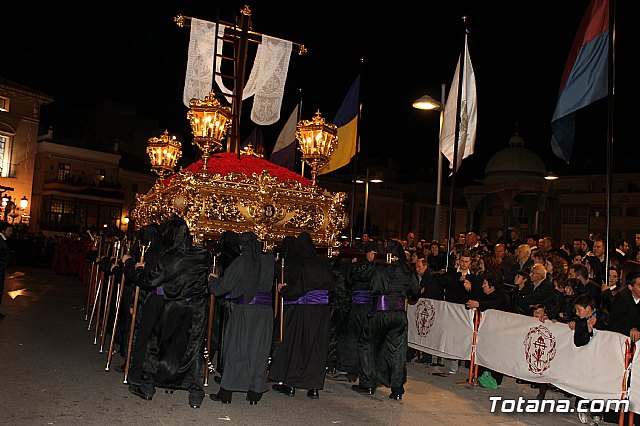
(594, 23)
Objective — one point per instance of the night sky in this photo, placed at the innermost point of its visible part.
(132, 52)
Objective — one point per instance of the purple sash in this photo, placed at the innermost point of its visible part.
(361, 297)
(261, 298)
(312, 297)
(383, 303)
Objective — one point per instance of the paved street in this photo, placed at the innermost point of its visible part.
(51, 373)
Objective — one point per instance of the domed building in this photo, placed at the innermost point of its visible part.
(512, 194)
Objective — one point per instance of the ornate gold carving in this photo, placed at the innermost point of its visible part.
(179, 20)
(211, 204)
(248, 150)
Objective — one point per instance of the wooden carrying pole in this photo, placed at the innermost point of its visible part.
(136, 296)
(96, 284)
(107, 306)
(628, 357)
(118, 303)
(98, 304)
(87, 303)
(276, 300)
(473, 368)
(93, 280)
(282, 301)
(207, 349)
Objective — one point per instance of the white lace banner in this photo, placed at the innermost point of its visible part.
(199, 74)
(267, 80)
(441, 328)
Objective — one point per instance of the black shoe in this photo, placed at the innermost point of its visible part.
(339, 377)
(137, 391)
(287, 390)
(313, 394)
(363, 389)
(217, 379)
(252, 401)
(423, 360)
(215, 397)
(395, 396)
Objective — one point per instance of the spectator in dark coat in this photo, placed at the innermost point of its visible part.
(460, 283)
(625, 311)
(542, 290)
(587, 318)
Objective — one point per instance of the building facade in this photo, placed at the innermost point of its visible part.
(77, 188)
(19, 121)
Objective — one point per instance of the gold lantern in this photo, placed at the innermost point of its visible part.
(164, 153)
(209, 123)
(317, 141)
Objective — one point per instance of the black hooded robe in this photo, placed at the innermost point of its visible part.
(229, 251)
(175, 352)
(300, 359)
(383, 345)
(247, 334)
(149, 302)
(358, 281)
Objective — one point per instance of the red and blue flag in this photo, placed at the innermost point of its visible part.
(585, 77)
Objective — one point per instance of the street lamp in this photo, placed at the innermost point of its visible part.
(366, 182)
(551, 176)
(427, 103)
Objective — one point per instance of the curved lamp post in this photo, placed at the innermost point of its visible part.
(427, 103)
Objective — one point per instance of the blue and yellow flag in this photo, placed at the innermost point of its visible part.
(347, 122)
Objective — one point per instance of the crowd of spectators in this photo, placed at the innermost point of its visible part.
(64, 254)
(579, 283)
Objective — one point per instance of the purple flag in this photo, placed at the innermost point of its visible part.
(284, 152)
(255, 140)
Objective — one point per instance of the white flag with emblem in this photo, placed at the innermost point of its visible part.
(468, 114)
(544, 352)
(441, 328)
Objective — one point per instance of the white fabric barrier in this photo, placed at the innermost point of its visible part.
(523, 347)
(440, 328)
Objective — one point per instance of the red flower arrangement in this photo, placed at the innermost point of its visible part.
(227, 162)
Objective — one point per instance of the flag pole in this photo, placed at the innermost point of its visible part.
(438, 213)
(355, 159)
(455, 139)
(611, 81)
(298, 120)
